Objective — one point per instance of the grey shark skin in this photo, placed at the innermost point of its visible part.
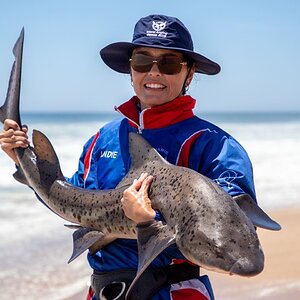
(10, 109)
(209, 228)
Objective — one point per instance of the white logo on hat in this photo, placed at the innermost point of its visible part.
(158, 28)
(159, 25)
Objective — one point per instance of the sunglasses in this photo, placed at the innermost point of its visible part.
(167, 64)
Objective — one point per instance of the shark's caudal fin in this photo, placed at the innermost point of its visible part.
(10, 108)
(257, 216)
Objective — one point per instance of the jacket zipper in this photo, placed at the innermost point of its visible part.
(140, 128)
(141, 119)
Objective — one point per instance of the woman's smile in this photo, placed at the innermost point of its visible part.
(154, 86)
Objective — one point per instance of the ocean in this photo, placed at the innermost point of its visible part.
(34, 244)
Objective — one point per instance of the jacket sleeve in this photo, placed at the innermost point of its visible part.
(225, 161)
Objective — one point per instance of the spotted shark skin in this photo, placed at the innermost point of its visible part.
(208, 226)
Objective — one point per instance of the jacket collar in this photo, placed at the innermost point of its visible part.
(160, 116)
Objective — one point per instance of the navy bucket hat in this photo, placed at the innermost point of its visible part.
(157, 31)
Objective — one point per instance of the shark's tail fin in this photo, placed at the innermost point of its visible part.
(10, 109)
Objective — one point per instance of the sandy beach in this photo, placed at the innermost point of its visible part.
(281, 277)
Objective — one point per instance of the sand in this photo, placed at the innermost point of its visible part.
(280, 278)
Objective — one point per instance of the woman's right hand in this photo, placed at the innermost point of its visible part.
(135, 201)
(11, 137)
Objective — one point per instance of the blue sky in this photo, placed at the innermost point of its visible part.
(257, 44)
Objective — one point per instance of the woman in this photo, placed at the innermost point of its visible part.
(161, 62)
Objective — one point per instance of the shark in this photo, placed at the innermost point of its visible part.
(210, 228)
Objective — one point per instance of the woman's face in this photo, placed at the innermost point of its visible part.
(155, 88)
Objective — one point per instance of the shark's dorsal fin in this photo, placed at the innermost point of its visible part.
(10, 109)
(152, 240)
(257, 216)
(141, 151)
(143, 158)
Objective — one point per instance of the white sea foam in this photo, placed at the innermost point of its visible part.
(274, 149)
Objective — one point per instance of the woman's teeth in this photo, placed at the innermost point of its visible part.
(154, 86)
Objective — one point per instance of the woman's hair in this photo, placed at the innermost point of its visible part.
(189, 61)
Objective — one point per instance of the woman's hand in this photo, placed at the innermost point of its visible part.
(11, 137)
(135, 201)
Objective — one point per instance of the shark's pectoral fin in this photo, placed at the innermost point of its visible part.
(258, 217)
(83, 239)
(20, 176)
(152, 239)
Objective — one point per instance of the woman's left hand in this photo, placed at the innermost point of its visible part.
(135, 201)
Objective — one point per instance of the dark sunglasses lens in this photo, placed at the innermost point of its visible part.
(141, 63)
(169, 65)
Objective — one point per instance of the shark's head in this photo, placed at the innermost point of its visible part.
(215, 233)
(221, 248)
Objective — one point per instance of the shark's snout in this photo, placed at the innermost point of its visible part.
(247, 267)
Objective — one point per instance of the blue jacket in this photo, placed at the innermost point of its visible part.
(182, 139)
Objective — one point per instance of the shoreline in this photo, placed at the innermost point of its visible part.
(281, 275)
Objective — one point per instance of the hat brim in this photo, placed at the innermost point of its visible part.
(117, 55)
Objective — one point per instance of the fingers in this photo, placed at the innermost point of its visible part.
(139, 186)
(137, 183)
(146, 184)
(12, 137)
(10, 124)
(135, 201)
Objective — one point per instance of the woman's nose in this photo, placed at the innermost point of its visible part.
(154, 70)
